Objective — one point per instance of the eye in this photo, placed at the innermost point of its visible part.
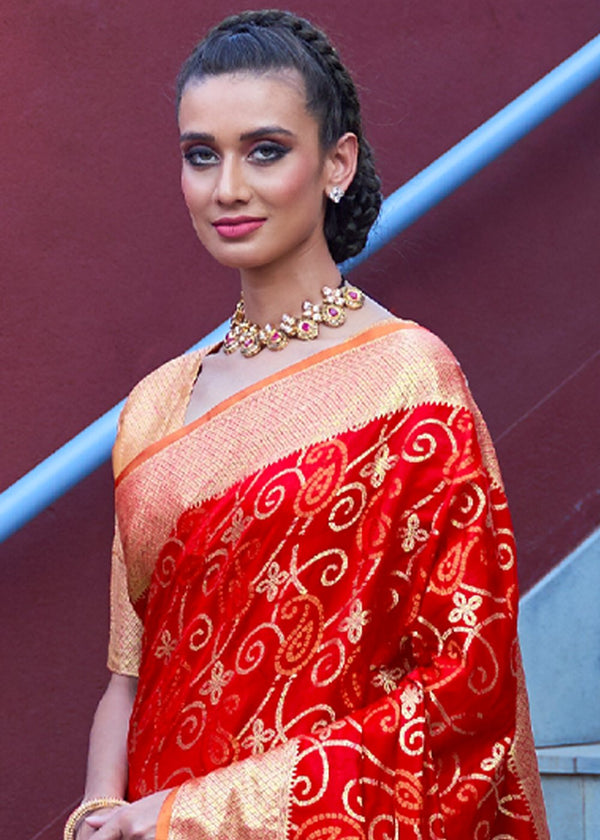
(268, 152)
(199, 156)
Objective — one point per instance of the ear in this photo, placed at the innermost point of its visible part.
(342, 159)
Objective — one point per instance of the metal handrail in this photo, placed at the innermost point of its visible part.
(50, 479)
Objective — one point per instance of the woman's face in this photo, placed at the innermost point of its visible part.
(254, 175)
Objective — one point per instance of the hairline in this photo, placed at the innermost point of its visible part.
(295, 79)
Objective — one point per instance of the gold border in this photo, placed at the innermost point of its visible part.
(403, 367)
(179, 405)
(247, 799)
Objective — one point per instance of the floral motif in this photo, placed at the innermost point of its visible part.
(498, 753)
(274, 579)
(166, 647)
(239, 523)
(367, 756)
(260, 736)
(410, 699)
(353, 624)
(214, 686)
(378, 468)
(412, 533)
(465, 608)
(387, 678)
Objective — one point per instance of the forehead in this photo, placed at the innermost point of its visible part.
(243, 100)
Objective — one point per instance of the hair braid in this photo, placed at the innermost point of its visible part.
(274, 40)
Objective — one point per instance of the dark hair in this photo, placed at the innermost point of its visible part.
(274, 40)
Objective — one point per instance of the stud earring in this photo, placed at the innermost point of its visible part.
(336, 194)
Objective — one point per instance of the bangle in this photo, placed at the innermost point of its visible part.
(86, 808)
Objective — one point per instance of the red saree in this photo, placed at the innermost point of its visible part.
(316, 583)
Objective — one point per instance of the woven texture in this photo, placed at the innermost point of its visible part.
(326, 576)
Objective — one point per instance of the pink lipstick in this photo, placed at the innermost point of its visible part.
(235, 227)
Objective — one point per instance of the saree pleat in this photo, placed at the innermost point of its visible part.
(325, 575)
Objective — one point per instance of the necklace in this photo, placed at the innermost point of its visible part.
(250, 338)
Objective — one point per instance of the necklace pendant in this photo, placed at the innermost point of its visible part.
(250, 343)
(332, 315)
(353, 297)
(230, 343)
(307, 329)
(275, 339)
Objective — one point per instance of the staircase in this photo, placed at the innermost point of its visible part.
(559, 627)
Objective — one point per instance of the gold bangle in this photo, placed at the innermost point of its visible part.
(86, 808)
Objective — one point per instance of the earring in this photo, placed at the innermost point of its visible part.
(336, 194)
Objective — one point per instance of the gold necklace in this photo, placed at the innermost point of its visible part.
(250, 338)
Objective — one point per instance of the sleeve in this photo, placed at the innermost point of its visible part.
(125, 638)
(153, 408)
(442, 749)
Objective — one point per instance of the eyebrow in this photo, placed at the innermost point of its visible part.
(203, 137)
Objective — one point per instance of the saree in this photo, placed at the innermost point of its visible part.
(315, 583)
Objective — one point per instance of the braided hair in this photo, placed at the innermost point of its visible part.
(259, 41)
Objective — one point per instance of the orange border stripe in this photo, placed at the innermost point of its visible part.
(378, 330)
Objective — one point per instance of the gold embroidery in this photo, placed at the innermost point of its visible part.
(403, 369)
(125, 626)
(409, 796)
(214, 686)
(331, 827)
(412, 533)
(248, 800)
(522, 754)
(259, 737)
(353, 624)
(313, 610)
(275, 577)
(301, 620)
(464, 609)
(377, 470)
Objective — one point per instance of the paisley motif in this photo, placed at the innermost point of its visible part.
(330, 826)
(448, 573)
(301, 621)
(325, 466)
(408, 796)
(330, 637)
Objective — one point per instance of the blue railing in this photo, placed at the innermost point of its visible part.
(90, 448)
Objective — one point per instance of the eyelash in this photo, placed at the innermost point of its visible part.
(272, 151)
(275, 152)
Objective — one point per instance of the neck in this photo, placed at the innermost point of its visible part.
(271, 291)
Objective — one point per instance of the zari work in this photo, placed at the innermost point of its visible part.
(320, 576)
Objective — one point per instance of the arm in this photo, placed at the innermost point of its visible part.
(107, 756)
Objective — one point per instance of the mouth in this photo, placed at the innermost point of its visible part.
(235, 227)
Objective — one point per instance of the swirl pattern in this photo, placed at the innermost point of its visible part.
(356, 600)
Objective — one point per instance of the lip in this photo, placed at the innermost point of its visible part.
(234, 227)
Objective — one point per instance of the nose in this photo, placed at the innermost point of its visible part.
(231, 186)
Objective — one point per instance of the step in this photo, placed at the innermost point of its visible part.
(571, 783)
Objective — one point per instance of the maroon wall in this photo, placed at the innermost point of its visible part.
(103, 280)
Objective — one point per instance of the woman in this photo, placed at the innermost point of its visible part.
(314, 596)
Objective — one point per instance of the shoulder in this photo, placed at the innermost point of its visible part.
(418, 369)
(155, 406)
(416, 364)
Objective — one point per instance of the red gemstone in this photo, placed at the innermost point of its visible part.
(333, 311)
(305, 327)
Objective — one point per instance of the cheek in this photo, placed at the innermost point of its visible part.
(298, 184)
(192, 193)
